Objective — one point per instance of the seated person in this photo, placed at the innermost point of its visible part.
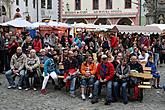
(88, 69)
(17, 65)
(32, 66)
(143, 57)
(122, 75)
(105, 72)
(135, 66)
(71, 72)
(42, 57)
(154, 72)
(49, 70)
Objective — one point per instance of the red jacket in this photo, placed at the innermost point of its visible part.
(37, 45)
(109, 73)
(114, 42)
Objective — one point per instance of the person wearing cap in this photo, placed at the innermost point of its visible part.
(50, 71)
(17, 65)
(88, 70)
(32, 66)
(42, 56)
(104, 73)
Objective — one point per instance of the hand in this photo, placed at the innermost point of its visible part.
(87, 74)
(120, 76)
(101, 80)
(31, 70)
(104, 80)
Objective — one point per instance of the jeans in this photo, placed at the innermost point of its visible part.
(156, 58)
(33, 81)
(10, 77)
(108, 92)
(72, 85)
(124, 91)
(87, 82)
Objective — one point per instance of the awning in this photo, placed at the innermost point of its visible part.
(19, 22)
(136, 29)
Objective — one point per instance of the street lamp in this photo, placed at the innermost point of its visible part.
(67, 6)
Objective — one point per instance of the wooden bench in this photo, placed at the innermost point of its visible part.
(143, 84)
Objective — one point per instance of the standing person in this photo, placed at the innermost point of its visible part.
(12, 47)
(122, 75)
(104, 73)
(162, 53)
(6, 55)
(49, 70)
(2, 44)
(17, 65)
(88, 69)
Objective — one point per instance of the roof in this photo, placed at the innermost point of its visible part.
(136, 29)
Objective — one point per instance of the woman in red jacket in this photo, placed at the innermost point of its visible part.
(104, 74)
(37, 44)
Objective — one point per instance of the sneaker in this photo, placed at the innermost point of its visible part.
(27, 89)
(20, 88)
(34, 89)
(72, 95)
(9, 87)
(83, 97)
(43, 91)
(90, 96)
(158, 87)
(107, 102)
(94, 100)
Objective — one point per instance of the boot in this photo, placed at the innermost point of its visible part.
(94, 100)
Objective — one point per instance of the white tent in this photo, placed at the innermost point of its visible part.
(160, 26)
(58, 24)
(38, 24)
(19, 22)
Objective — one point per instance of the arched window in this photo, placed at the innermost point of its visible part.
(128, 3)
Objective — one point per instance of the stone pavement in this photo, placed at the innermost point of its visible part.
(154, 99)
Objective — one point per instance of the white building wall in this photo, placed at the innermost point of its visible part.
(118, 6)
(24, 11)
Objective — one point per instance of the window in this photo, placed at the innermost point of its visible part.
(95, 4)
(17, 2)
(34, 3)
(108, 4)
(26, 3)
(42, 3)
(77, 4)
(49, 4)
(128, 3)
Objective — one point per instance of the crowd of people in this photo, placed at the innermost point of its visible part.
(88, 59)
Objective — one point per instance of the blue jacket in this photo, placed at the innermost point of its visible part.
(153, 67)
(49, 66)
(77, 41)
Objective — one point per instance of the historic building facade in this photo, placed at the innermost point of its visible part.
(101, 11)
(156, 11)
(36, 10)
